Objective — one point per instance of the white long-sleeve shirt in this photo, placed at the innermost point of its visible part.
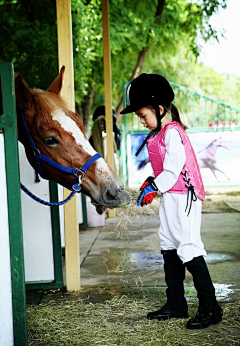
(177, 230)
(174, 161)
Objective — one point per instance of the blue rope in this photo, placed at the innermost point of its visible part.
(39, 200)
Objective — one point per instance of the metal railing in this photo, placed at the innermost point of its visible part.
(201, 111)
(198, 113)
(196, 110)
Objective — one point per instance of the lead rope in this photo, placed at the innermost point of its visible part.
(39, 200)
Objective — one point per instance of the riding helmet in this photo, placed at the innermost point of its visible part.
(99, 111)
(148, 89)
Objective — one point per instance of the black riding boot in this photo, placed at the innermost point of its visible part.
(176, 305)
(209, 312)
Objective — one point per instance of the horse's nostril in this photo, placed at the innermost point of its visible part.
(111, 194)
(115, 196)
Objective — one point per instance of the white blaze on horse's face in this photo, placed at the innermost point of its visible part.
(70, 126)
(108, 191)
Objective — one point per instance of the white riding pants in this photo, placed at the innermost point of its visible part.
(179, 231)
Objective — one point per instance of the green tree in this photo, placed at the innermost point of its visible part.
(136, 31)
(157, 33)
(28, 38)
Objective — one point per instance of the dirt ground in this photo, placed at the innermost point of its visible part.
(127, 252)
(122, 279)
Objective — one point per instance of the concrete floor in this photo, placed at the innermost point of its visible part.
(127, 254)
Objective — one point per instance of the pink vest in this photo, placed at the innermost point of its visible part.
(190, 174)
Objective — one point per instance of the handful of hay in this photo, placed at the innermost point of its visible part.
(132, 212)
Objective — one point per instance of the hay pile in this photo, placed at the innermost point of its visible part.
(73, 320)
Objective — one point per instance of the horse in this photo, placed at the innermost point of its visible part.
(59, 135)
(207, 157)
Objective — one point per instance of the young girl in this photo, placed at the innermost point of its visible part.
(177, 176)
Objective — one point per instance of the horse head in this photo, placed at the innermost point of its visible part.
(221, 143)
(216, 143)
(58, 134)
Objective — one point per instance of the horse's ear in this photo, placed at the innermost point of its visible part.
(56, 85)
(22, 92)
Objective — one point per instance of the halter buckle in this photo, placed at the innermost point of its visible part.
(79, 174)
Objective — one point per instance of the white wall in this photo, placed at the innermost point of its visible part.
(79, 206)
(6, 321)
(37, 228)
(61, 212)
(61, 216)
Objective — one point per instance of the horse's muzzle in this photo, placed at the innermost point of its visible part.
(115, 197)
(112, 198)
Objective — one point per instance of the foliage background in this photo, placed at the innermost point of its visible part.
(163, 36)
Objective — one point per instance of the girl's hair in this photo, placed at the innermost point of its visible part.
(175, 115)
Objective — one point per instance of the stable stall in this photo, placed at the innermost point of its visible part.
(31, 244)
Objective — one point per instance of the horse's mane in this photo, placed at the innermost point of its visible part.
(209, 145)
(45, 103)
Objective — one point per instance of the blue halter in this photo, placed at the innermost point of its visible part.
(77, 172)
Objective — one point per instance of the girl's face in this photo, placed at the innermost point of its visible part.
(147, 118)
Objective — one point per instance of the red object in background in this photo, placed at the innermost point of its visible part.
(215, 125)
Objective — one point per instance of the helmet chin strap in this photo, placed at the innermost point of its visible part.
(159, 116)
(157, 129)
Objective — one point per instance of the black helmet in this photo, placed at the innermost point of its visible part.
(101, 111)
(148, 89)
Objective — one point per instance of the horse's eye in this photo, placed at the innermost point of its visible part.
(50, 141)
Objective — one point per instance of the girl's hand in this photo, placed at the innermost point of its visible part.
(148, 192)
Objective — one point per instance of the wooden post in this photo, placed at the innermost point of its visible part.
(108, 88)
(65, 57)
